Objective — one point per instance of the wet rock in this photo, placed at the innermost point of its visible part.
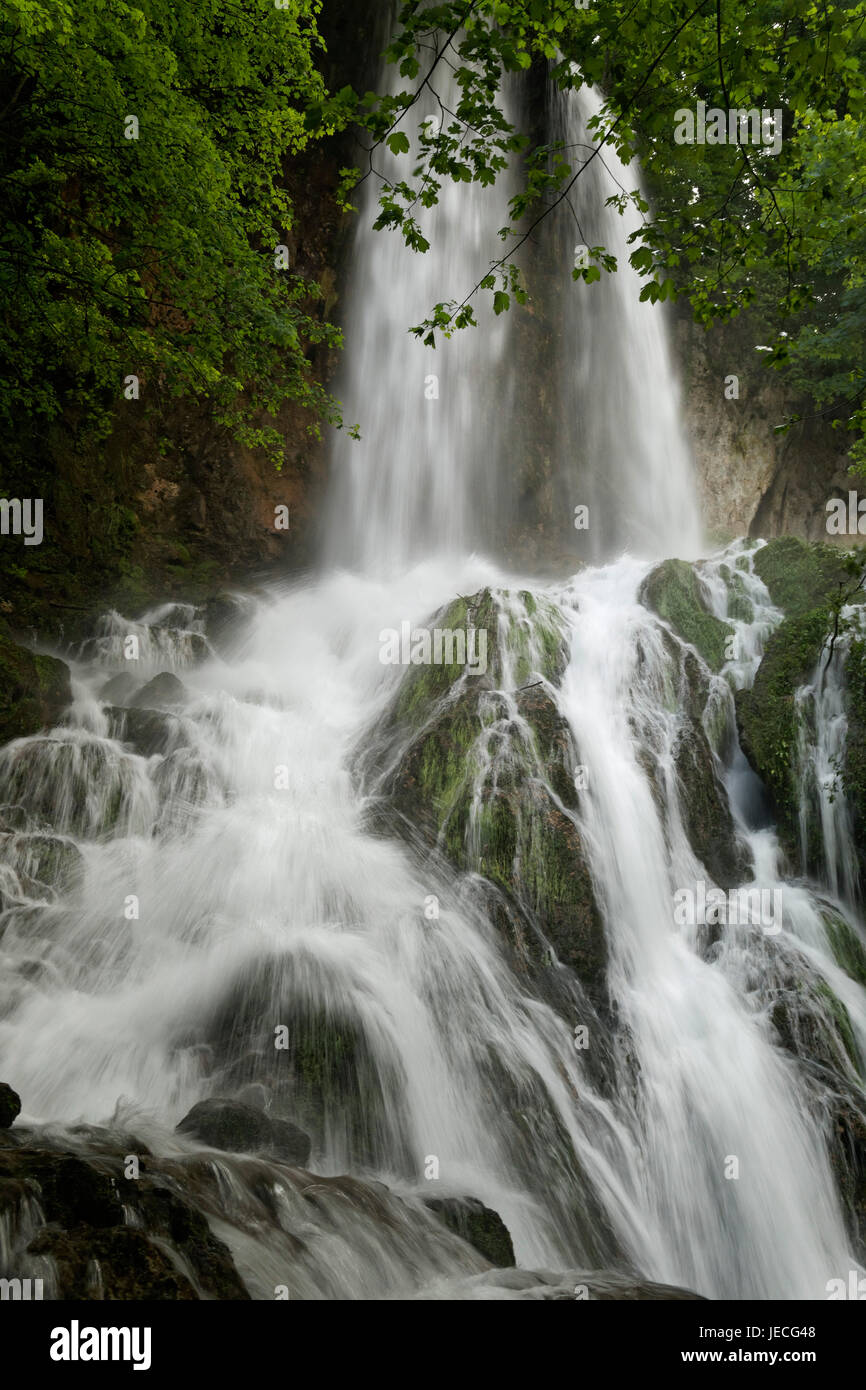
(109, 1236)
(847, 1136)
(224, 614)
(120, 689)
(161, 692)
(768, 723)
(706, 813)
(800, 575)
(513, 823)
(327, 1076)
(81, 786)
(119, 1264)
(240, 1128)
(10, 1106)
(854, 762)
(478, 1225)
(813, 1024)
(673, 590)
(146, 731)
(44, 859)
(34, 689)
(14, 818)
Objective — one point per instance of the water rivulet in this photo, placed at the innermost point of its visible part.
(509, 937)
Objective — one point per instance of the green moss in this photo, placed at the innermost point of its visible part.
(674, 592)
(34, 689)
(841, 1022)
(768, 719)
(740, 606)
(848, 950)
(854, 762)
(507, 826)
(494, 834)
(800, 575)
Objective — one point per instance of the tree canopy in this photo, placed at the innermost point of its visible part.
(149, 248)
(142, 155)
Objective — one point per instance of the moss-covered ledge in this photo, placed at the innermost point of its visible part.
(34, 689)
(804, 580)
(674, 592)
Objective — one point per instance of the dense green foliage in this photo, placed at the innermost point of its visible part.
(734, 224)
(154, 256)
(148, 249)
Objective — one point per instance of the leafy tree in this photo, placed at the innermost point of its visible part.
(733, 225)
(155, 256)
(142, 155)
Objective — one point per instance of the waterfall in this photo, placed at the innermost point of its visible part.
(426, 476)
(622, 449)
(822, 728)
(190, 867)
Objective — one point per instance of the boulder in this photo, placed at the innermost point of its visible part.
(119, 690)
(34, 689)
(111, 1238)
(161, 692)
(239, 1128)
(478, 1225)
(10, 1106)
(674, 591)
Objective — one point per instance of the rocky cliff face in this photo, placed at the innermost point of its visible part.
(753, 481)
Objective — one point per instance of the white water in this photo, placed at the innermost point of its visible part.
(823, 725)
(264, 897)
(623, 451)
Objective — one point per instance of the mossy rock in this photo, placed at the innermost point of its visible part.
(34, 690)
(854, 763)
(524, 636)
(86, 1202)
(800, 575)
(44, 858)
(674, 591)
(848, 950)
(81, 787)
(740, 606)
(705, 810)
(478, 1225)
(767, 719)
(513, 825)
(846, 1125)
(813, 1024)
(326, 1078)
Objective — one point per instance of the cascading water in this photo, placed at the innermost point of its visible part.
(622, 449)
(190, 869)
(822, 727)
(424, 479)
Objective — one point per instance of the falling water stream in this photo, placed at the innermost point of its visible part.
(237, 824)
